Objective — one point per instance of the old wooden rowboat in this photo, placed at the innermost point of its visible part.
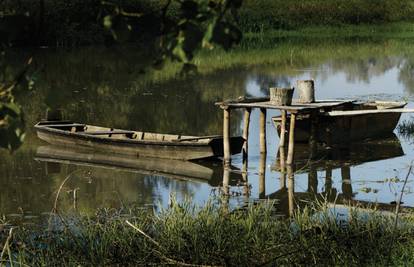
(136, 143)
(356, 121)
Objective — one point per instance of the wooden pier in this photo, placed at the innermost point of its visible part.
(295, 109)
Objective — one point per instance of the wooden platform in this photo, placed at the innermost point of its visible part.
(263, 103)
(296, 107)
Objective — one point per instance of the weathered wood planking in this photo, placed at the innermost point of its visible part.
(296, 107)
(364, 112)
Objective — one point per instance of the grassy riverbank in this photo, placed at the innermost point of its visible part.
(78, 22)
(184, 235)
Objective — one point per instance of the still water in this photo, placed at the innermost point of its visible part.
(104, 86)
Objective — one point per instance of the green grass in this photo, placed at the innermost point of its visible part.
(211, 235)
(263, 15)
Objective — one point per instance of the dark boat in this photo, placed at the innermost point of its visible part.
(136, 143)
(353, 122)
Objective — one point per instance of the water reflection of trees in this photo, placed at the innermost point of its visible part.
(359, 59)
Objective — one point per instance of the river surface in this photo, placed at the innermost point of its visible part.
(104, 86)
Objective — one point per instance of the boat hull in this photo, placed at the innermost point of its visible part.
(139, 148)
(343, 129)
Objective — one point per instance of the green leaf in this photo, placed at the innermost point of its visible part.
(107, 22)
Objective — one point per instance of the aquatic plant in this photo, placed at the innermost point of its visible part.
(406, 129)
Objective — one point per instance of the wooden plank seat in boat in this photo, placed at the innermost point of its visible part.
(109, 132)
(65, 125)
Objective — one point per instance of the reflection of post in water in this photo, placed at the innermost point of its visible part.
(262, 176)
(313, 135)
(226, 188)
(246, 124)
(226, 181)
(312, 180)
(247, 113)
(346, 182)
(291, 189)
(328, 182)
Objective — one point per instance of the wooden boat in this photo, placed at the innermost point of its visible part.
(199, 171)
(136, 143)
(352, 122)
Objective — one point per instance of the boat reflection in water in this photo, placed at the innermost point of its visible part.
(124, 171)
(328, 160)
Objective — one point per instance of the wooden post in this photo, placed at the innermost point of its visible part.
(263, 149)
(281, 96)
(306, 90)
(226, 181)
(282, 167)
(247, 113)
(291, 149)
(226, 137)
(291, 190)
(262, 176)
(282, 129)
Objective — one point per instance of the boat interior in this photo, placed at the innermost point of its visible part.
(92, 130)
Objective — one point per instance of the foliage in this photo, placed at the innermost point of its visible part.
(11, 115)
(198, 23)
(211, 235)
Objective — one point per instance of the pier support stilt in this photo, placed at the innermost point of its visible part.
(282, 165)
(291, 189)
(263, 148)
(291, 148)
(226, 137)
(247, 113)
(282, 129)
